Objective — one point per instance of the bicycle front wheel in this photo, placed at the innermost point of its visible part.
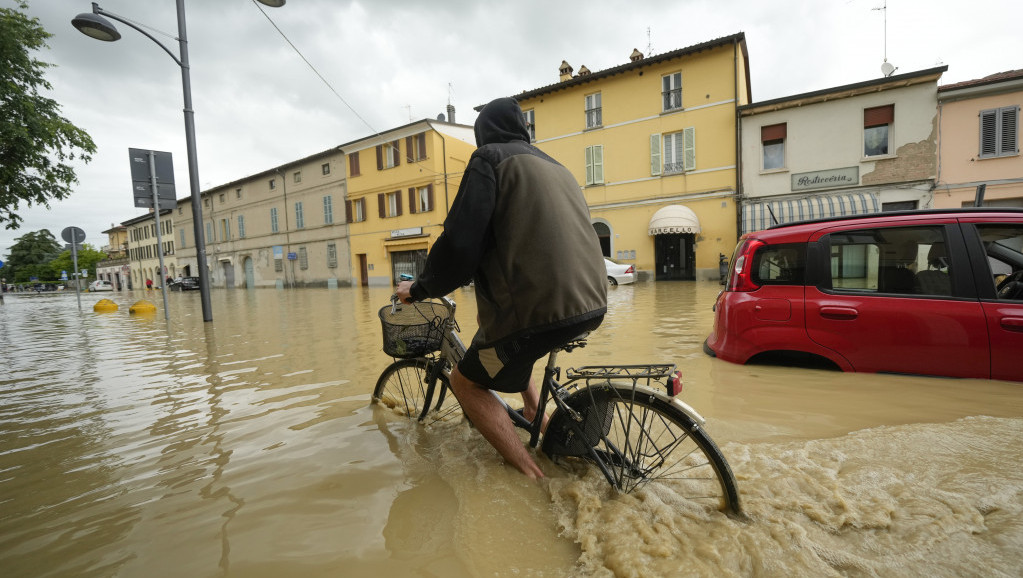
(641, 437)
(405, 388)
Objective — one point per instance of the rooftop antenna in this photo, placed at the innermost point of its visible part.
(409, 107)
(649, 45)
(886, 67)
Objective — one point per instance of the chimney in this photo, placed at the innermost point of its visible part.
(583, 71)
(565, 70)
(636, 55)
(451, 113)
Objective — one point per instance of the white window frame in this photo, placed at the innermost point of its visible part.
(359, 210)
(595, 165)
(594, 112)
(673, 153)
(671, 92)
(392, 204)
(999, 132)
(423, 200)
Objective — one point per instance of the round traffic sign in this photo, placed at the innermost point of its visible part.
(72, 235)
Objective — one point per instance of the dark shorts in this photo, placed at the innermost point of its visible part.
(507, 366)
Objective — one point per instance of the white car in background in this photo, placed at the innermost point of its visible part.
(100, 285)
(618, 274)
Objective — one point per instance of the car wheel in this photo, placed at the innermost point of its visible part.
(612, 282)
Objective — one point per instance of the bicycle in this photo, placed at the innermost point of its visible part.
(609, 415)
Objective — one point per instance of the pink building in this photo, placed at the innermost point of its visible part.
(978, 142)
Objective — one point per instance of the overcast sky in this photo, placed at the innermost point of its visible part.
(259, 105)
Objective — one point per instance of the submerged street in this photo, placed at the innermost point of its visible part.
(248, 447)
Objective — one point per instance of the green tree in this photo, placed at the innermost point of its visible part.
(37, 144)
(88, 256)
(30, 256)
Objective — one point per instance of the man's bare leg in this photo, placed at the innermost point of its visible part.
(491, 419)
(530, 401)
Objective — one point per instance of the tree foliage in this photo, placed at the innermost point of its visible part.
(37, 144)
(31, 256)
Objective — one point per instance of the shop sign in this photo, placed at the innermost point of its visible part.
(830, 179)
(410, 232)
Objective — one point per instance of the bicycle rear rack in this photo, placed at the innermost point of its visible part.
(659, 375)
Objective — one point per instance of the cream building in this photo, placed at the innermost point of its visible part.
(859, 148)
(144, 249)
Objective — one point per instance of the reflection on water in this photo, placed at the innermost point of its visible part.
(247, 447)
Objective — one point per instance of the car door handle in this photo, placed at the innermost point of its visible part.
(1012, 323)
(840, 313)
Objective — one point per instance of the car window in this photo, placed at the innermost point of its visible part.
(780, 264)
(902, 260)
(1004, 247)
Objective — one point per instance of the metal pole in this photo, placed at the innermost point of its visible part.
(74, 261)
(193, 168)
(159, 236)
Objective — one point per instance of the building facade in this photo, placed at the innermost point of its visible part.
(978, 142)
(859, 148)
(282, 228)
(652, 143)
(116, 268)
(400, 186)
(145, 246)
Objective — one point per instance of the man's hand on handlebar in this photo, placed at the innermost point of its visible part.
(403, 292)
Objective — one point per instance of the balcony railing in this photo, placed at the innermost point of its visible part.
(674, 168)
(672, 99)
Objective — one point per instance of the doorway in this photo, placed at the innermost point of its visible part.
(675, 257)
(250, 273)
(228, 274)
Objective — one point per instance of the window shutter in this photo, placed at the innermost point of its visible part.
(397, 153)
(1009, 142)
(348, 211)
(988, 128)
(408, 150)
(382, 201)
(689, 148)
(589, 165)
(655, 154)
(422, 145)
(353, 163)
(773, 132)
(380, 157)
(397, 200)
(878, 116)
(412, 204)
(429, 195)
(598, 164)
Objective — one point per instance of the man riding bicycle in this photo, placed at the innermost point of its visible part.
(520, 228)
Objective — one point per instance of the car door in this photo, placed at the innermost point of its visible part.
(869, 305)
(996, 251)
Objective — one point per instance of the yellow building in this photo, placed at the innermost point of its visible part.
(400, 186)
(653, 144)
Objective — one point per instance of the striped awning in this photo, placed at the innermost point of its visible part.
(757, 216)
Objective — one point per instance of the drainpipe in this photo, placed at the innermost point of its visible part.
(738, 140)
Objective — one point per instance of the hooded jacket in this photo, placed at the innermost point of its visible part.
(520, 228)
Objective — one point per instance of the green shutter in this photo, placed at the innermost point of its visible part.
(655, 154)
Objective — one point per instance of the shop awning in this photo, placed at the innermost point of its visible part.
(674, 219)
(757, 216)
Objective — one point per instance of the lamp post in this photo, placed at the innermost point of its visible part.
(95, 25)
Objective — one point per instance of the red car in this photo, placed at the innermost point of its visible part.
(930, 292)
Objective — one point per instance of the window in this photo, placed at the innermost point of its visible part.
(353, 164)
(225, 229)
(303, 258)
(593, 111)
(181, 233)
(273, 220)
(1004, 245)
(905, 260)
(299, 216)
(221, 198)
(673, 153)
(355, 211)
(530, 118)
(331, 255)
(209, 232)
(876, 124)
(671, 91)
(999, 132)
(415, 147)
(595, 165)
(390, 204)
(388, 155)
(328, 210)
(273, 184)
(297, 176)
(420, 199)
(206, 202)
(773, 139)
(241, 226)
(237, 193)
(780, 264)
(325, 168)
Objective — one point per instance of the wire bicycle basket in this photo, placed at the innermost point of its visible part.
(413, 330)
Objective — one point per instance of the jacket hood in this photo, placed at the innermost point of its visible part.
(500, 121)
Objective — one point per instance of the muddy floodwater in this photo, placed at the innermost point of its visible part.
(134, 447)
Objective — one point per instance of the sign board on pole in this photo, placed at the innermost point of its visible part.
(292, 256)
(141, 178)
(72, 235)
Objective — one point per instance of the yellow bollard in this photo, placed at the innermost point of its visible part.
(104, 306)
(142, 307)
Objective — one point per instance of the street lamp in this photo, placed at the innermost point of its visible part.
(95, 25)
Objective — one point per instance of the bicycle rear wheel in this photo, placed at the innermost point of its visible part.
(641, 437)
(404, 387)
